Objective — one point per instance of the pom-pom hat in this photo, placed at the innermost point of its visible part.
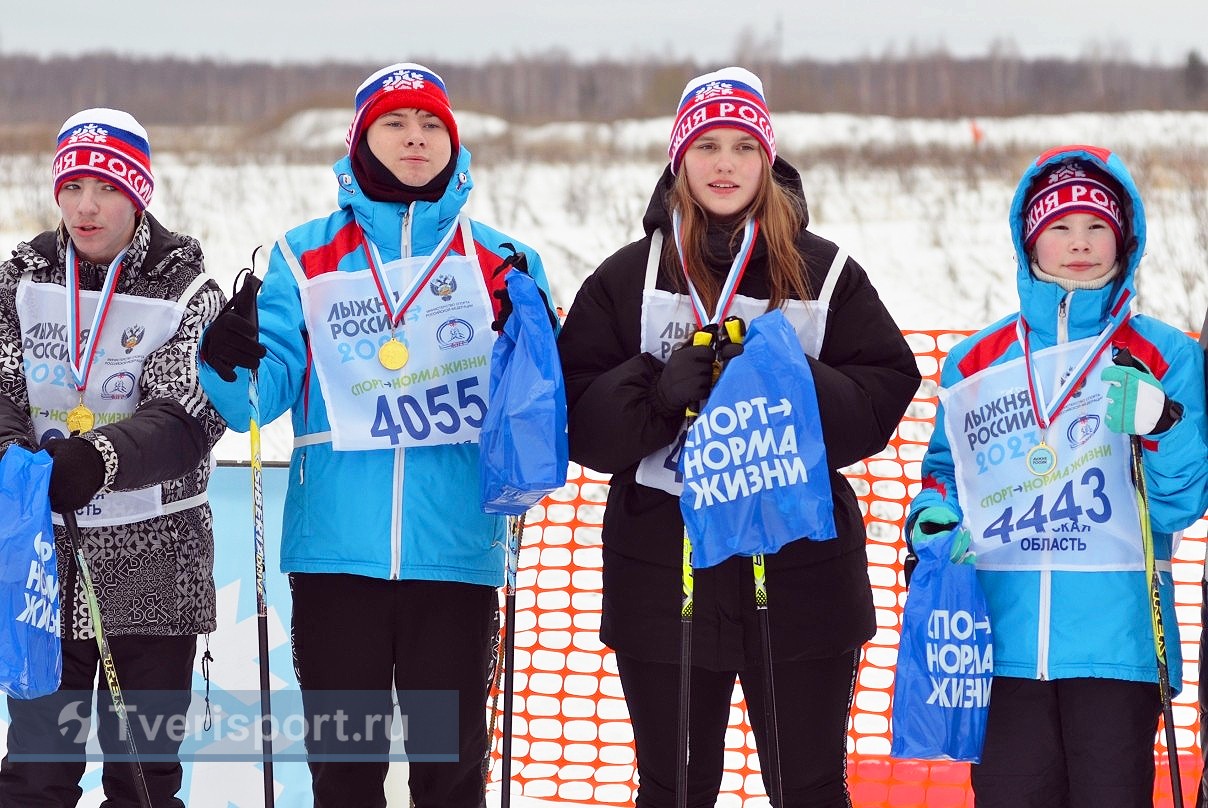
(107, 144)
(404, 85)
(730, 97)
(1075, 186)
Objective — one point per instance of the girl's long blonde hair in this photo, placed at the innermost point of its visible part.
(780, 216)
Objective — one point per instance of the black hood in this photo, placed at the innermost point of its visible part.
(658, 217)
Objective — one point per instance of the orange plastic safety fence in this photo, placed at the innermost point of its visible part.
(572, 741)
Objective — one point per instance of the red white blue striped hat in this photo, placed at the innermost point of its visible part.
(405, 85)
(730, 97)
(107, 144)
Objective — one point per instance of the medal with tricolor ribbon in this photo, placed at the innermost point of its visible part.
(393, 354)
(738, 268)
(1041, 459)
(80, 357)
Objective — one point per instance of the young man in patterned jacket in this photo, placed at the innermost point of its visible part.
(99, 323)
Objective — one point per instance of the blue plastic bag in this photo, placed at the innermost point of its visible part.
(31, 658)
(753, 462)
(941, 693)
(523, 445)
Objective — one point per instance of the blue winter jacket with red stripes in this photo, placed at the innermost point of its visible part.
(410, 513)
(1060, 624)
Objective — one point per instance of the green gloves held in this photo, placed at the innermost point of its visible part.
(936, 521)
(1136, 401)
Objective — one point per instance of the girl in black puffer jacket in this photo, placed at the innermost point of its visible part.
(627, 389)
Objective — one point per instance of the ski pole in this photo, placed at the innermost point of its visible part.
(759, 568)
(734, 331)
(1123, 357)
(705, 336)
(249, 280)
(102, 643)
(515, 531)
(495, 685)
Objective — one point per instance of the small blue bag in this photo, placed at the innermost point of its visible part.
(523, 445)
(31, 657)
(753, 462)
(941, 693)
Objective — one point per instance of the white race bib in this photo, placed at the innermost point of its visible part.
(133, 329)
(667, 321)
(439, 395)
(1080, 516)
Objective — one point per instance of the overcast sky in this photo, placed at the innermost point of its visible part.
(703, 30)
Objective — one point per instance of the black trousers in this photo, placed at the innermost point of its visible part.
(1068, 743)
(352, 633)
(155, 674)
(813, 700)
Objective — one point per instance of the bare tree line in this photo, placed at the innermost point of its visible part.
(166, 91)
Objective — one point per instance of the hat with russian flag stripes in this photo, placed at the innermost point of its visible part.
(107, 144)
(404, 85)
(730, 97)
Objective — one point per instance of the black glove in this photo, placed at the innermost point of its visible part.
(687, 377)
(76, 475)
(230, 341)
(518, 261)
(505, 309)
(728, 351)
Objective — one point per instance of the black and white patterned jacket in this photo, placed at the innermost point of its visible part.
(155, 576)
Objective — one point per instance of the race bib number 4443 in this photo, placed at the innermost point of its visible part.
(1058, 498)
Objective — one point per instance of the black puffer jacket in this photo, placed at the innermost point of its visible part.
(820, 600)
(154, 576)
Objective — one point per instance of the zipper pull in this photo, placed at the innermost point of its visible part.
(1063, 316)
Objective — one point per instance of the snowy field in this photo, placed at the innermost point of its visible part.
(914, 201)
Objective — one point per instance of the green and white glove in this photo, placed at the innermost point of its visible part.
(935, 521)
(1136, 401)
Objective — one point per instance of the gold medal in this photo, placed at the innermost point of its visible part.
(1041, 459)
(80, 419)
(393, 354)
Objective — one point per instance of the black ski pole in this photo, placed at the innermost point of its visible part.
(776, 790)
(705, 336)
(512, 554)
(248, 276)
(735, 332)
(107, 666)
(1123, 357)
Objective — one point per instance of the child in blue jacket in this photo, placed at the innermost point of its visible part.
(1031, 456)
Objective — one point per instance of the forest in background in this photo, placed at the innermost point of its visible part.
(552, 87)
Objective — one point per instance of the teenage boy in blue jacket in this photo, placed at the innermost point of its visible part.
(375, 331)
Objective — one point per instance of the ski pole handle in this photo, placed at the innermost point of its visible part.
(734, 329)
(707, 337)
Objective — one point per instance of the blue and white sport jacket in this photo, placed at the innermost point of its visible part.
(402, 513)
(1051, 621)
